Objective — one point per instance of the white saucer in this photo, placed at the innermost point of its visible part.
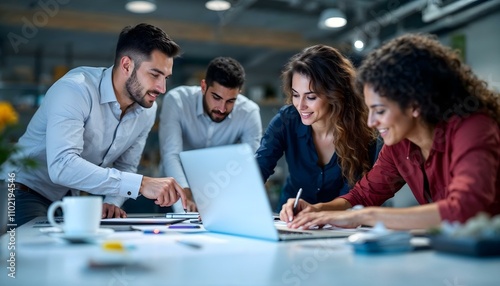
(81, 238)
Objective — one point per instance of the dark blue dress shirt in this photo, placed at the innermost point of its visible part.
(286, 134)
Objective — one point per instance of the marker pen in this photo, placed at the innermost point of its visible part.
(183, 226)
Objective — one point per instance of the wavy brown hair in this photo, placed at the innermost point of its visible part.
(417, 70)
(332, 76)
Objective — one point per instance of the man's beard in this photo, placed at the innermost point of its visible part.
(134, 89)
(213, 111)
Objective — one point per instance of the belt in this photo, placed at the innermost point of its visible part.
(24, 188)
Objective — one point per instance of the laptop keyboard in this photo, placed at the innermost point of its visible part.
(47, 223)
(287, 232)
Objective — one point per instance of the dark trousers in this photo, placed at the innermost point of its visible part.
(29, 206)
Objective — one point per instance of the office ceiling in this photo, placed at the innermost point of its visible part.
(262, 34)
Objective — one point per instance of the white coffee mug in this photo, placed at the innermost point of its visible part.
(82, 215)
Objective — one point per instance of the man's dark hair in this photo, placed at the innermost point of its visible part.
(226, 71)
(140, 41)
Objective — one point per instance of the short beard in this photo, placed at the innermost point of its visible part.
(134, 90)
(209, 112)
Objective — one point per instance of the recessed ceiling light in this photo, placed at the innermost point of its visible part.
(359, 45)
(217, 5)
(332, 18)
(141, 6)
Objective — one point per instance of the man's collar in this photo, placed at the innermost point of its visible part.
(199, 103)
(106, 87)
(108, 93)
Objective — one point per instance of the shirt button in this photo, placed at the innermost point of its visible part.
(129, 193)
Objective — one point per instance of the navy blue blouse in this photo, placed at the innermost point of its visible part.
(286, 134)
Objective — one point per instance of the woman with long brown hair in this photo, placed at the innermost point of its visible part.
(322, 132)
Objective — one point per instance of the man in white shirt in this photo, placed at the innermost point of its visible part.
(90, 131)
(212, 114)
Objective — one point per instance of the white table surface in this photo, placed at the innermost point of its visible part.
(229, 260)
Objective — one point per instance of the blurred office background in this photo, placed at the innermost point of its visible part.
(40, 40)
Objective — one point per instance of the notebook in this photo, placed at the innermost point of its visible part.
(229, 192)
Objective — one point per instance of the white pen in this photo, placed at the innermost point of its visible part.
(297, 198)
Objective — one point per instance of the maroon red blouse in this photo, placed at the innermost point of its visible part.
(463, 170)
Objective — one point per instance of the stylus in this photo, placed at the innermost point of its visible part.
(299, 193)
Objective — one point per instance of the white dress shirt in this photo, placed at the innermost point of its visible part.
(81, 143)
(184, 125)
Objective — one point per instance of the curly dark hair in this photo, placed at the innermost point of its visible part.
(416, 70)
(225, 71)
(332, 76)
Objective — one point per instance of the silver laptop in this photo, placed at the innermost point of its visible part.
(229, 192)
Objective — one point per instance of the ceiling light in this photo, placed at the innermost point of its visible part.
(332, 18)
(217, 5)
(359, 45)
(143, 6)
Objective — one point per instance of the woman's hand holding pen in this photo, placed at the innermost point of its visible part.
(287, 211)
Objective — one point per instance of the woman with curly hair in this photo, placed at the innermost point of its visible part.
(322, 133)
(441, 129)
